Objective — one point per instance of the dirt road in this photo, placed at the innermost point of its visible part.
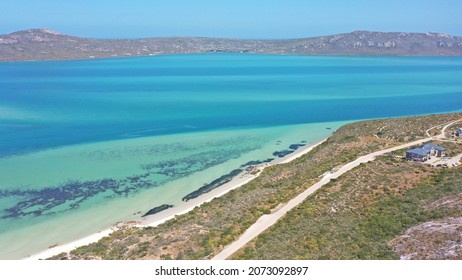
(266, 221)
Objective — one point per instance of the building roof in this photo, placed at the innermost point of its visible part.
(418, 151)
(430, 146)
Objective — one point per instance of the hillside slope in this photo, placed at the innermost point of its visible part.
(45, 44)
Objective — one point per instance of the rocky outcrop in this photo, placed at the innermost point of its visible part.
(434, 240)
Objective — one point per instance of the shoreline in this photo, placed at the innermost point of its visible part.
(183, 208)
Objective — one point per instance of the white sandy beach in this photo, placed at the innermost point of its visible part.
(161, 217)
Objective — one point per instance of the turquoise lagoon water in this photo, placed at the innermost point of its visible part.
(87, 143)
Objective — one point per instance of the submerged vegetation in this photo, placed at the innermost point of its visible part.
(213, 185)
(72, 194)
(360, 212)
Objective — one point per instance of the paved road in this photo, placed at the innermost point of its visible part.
(266, 221)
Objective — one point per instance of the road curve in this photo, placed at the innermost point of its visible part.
(266, 221)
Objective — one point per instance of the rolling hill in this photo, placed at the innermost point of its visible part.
(45, 44)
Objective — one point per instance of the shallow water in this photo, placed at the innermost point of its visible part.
(85, 144)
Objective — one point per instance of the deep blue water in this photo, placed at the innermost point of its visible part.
(50, 104)
(61, 195)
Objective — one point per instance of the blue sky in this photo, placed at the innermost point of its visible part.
(229, 18)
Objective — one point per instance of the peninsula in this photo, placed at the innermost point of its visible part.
(352, 216)
(45, 44)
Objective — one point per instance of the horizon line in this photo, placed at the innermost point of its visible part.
(53, 31)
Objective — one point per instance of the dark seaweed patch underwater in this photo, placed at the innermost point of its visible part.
(72, 194)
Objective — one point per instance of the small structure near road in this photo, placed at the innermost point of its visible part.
(417, 154)
(434, 150)
(458, 132)
(425, 152)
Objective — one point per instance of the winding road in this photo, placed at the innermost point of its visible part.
(266, 221)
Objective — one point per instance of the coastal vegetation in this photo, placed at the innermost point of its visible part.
(357, 215)
(375, 194)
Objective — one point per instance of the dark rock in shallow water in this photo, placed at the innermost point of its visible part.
(213, 185)
(252, 162)
(256, 162)
(296, 146)
(291, 149)
(328, 128)
(157, 209)
(283, 153)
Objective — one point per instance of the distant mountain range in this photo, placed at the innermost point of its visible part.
(45, 44)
